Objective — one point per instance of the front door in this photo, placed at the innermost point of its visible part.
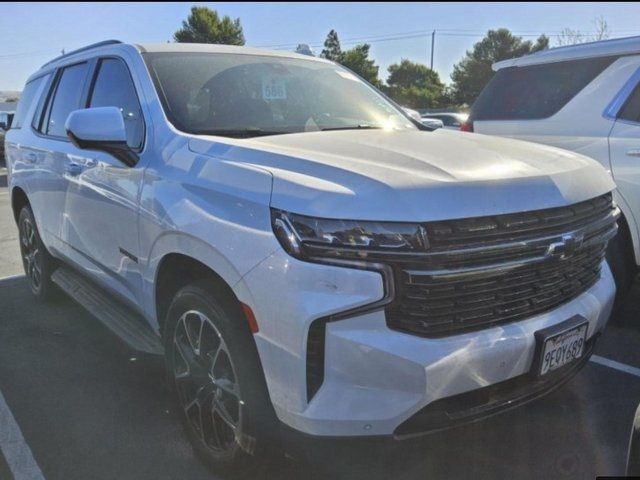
(101, 212)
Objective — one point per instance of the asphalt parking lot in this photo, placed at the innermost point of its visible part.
(75, 403)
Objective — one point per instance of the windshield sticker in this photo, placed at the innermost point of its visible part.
(273, 88)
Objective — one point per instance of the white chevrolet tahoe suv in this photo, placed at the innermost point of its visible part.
(584, 98)
(308, 258)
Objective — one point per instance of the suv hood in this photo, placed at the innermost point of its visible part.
(412, 175)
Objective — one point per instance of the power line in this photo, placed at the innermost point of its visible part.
(444, 32)
(27, 54)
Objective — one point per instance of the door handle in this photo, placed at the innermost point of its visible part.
(73, 169)
(31, 157)
(634, 152)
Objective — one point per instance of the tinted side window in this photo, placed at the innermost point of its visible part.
(26, 99)
(113, 87)
(631, 109)
(536, 91)
(66, 99)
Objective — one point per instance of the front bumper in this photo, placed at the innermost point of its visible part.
(377, 379)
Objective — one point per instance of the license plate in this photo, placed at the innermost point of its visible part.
(560, 349)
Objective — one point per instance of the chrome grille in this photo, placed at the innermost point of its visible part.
(488, 271)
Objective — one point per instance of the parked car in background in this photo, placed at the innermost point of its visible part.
(450, 120)
(5, 124)
(310, 261)
(431, 122)
(584, 98)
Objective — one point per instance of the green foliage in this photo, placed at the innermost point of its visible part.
(356, 59)
(415, 85)
(205, 26)
(474, 70)
(332, 50)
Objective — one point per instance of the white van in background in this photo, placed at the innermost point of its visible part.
(584, 98)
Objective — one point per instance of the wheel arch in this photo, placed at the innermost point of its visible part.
(176, 270)
(18, 200)
(627, 227)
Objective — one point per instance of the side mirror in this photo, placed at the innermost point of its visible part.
(412, 113)
(4, 126)
(100, 128)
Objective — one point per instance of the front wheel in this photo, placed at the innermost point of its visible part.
(37, 262)
(214, 370)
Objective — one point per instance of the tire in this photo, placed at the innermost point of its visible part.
(622, 263)
(216, 379)
(37, 261)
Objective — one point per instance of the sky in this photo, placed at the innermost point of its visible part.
(33, 33)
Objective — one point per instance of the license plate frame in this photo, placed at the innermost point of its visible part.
(577, 326)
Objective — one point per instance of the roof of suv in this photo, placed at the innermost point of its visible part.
(216, 48)
(602, 48)
(186, 48)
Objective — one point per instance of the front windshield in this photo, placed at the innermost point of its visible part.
(249, 95)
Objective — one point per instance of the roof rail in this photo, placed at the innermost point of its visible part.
(88, 47)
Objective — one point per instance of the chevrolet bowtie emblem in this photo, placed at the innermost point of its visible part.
(565, 247)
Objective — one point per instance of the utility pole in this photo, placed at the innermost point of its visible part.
(433, 41)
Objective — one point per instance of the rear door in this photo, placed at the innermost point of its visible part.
(624, 145)
(48, 150)
(101, 224)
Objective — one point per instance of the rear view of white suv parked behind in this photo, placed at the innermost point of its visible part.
(307, 257)
(584, 98)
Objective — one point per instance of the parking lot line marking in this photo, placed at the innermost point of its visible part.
(15, 450)
(622, 367)
(12, 278)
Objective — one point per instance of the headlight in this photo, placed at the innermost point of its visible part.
(310, 237)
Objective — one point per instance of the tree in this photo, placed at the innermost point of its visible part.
(357, 60)
(415, 85)
(473, 72)
(332, 49)
(572, 37)
(205, 26)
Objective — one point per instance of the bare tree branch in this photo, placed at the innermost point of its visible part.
(569, 36)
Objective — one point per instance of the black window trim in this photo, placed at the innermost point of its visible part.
(36, 121)
(53, 87)
(93, 75)
(634, 91)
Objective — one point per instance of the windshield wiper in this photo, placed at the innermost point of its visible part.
(238, 133)
(352, 127)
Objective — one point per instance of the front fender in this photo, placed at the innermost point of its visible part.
(190, 246)
(211, 210)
